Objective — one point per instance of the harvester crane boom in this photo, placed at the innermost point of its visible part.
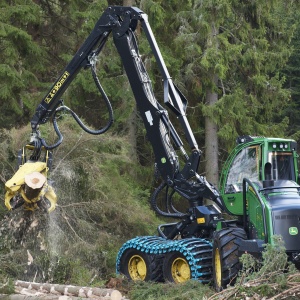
(121, 22)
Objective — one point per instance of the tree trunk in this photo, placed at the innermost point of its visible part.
(132, 122)
(128, 2)
(211, 144)
(34, 183)
(211, 129)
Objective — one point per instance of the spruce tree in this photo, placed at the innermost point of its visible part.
(21, 57)
(292, 73)
(38, 39)
(234, 49)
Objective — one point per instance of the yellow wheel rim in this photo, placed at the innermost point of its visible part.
(218, 269)
(137, 268)
(180, 270)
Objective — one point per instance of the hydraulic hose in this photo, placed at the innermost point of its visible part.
(78, 120)
(60, 136)
(155, 207)
(170, 202)
(37, 144)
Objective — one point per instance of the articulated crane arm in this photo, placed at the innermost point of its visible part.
(121, 22)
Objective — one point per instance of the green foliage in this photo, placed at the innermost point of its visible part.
(101, 203)
(21, 58)
(274, 259)
(150, 291)
(100, 206)
(271, 276)
(103, 193)
(273, 270)
(243, 44)
(37, 40)
(6, 285)
(291, 72)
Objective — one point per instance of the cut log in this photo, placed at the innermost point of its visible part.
(34, 183)
(68, 290)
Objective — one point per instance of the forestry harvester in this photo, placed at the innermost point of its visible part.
(258, 185)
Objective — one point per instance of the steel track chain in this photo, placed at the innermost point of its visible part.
(198, 253)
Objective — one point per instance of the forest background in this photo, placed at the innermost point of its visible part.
(237, 63)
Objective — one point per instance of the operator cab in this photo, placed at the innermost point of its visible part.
(266, 162)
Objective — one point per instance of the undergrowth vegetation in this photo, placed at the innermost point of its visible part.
(103, 200)
(186, 291)
(271, 277)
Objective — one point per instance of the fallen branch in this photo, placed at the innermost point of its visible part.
(74, 231)
(74, 204)
(237, 291)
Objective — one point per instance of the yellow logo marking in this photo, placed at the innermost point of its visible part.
(56, 87)
(200, 220)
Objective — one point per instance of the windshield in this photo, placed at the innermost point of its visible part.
(244, 165)
(282, 165)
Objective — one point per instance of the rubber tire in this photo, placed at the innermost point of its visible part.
(225, 246)
(153, 265)
(167, 266)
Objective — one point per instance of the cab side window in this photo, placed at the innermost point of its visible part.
(283, 166)
(245, 165)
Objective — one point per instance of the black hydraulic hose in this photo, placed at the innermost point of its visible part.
(155, 207)
(36, 150)
(78, 120)
(60, 136)
(108, 105)
(170, 206)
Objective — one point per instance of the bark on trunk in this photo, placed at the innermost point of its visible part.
(132, 130)
(211, 144)
(211, 129)
(128, 2)
(34, 183)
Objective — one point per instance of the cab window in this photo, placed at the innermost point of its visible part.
(282, 165)
(244, 165)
